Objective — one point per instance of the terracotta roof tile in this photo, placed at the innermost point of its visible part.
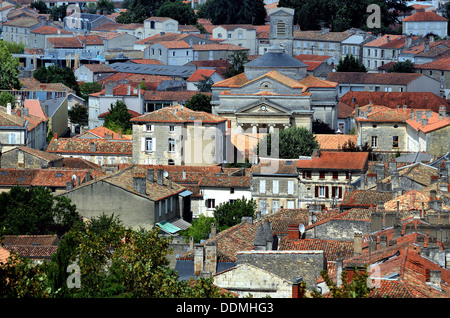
(218, 47)
(178, 114)
(424, 16)
(174, 44)
(365, 198)
(49, 157)
(319, 36)
(83, 146)
(47, 29)
(99, 68)
(440, 64)
(334, 141)
(333, 249)
(373, 78)
(334, 160)
(39, 177)
(65, 42)
(200, 74)
(415, 100)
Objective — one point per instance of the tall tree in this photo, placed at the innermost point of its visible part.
(179, 11)
(200, 102)
(237, 62)
(55, 74)
(350, 64)
(402, 67)
(139, 10)
(118, 117)
(9, 69)
(229, 214)
(292, 143)
(36, 211)
(78, 114)
(234, 11)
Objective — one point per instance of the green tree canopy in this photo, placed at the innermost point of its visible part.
(6, 98)
(341, 15)
(402, 67)
(87, 88)
(55, 74)
(292, 143)
(200, 102)
(350, 64)
(205, 84)
(237, 62)
(234, 11)
(36, 211)
(78, 114)
(139, 10)
(9, 69)
(179, 11)
(58, 13)
(118, 118)
(229, 214)
(199, 230)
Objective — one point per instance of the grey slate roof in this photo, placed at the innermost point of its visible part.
(275, 57)
(184, 71)
(52, 105)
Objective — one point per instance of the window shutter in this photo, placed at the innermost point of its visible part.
(153, 144)
(333, 192)
(275, 186)
(142, 143)
(290, 187)
(262, 186)
(326, 192)
(340, 192)
(304, 174)
(144, 127)
(317, 191)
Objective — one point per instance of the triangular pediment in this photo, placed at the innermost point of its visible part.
(263, 107)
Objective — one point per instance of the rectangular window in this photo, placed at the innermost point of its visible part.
(335, 175)
(263, 206)
(159, 208)
(290, 204)
(148, 127)
(395, 142)
(172, 128)
(210, 203)
(275, 205)
(374, 141)
(321, 191)
(290, 187)
(262, 186)
(171, 145)
(275, 187)
(321, 175)
(149, 146)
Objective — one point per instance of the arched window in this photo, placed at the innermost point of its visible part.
(266, 86)
(281, 28)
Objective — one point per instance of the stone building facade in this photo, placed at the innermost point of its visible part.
(176, 135)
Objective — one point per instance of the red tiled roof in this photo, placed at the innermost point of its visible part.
(334, 160)
(440, 64)
(174, 44)
(102, 133)
(415, 100)
(333, 142)
(178, 96)
(200, 74)
(39, 177)
(373, 78)
(178, 114)
(65, 42)
(47, 29)
(100, 68)
(333, 249)
(424, 16)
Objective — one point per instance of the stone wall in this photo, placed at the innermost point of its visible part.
(341, 230)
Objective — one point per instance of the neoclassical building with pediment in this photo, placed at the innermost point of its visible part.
(275, 91)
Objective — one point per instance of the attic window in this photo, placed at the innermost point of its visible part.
(22, 179)
(58, 175)
(288, 163)
(4, 173)
(192, 118)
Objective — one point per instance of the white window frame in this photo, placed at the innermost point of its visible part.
(275, 184)
(262, 186)
(290, 187)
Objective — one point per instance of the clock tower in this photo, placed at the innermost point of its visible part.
(282, 29)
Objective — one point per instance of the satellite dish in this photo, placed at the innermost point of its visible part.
(165, 174)
(74, 177)
(301, 228)
(314, 218)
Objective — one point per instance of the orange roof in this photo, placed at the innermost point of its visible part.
(147, 61)
(34, 108)
(433, 122)
(57, 42)
(424, 16)
(178, 114)
(334, 141)
(200, 74)
(217, 47)
(175, 44)
(441, 64)
(383, 40)
(102, 133)
(336, 160)
(47, 29)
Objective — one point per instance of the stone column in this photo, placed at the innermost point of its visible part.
(254, 128)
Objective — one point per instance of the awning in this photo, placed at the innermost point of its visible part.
(185, 193)
(168, 227)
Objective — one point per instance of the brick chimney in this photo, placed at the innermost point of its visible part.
(294, 233)
(151, 175)
(211, 258)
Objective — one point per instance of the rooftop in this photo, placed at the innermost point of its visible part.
(178, 114)
(335, 160)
